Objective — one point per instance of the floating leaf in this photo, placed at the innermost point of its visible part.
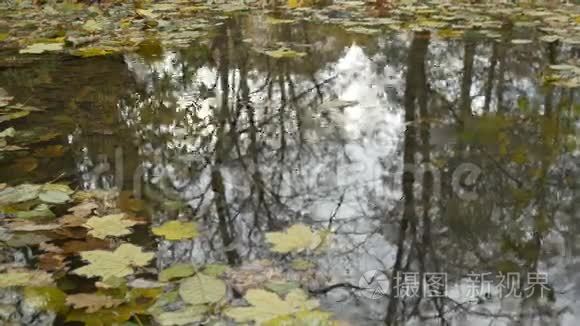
(176, 230)
(184, 316)
(10, 132)
(266, 306)
(53, 197)
(45, 298)
(521, 42)
(296, 238)
(278, 21)
(92, 302)
(83, 209)
(92, 25)
(39, 48)
(302, 264)
(284, 53)
(14, 116)
(118, 263)
(281, 288)
(114, 225)
(18, 194)
(27, 278)
(215, 269)
(200, 289)
(90, 52)
(312, 317)
(176, 271)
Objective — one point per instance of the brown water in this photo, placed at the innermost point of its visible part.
(247, 144)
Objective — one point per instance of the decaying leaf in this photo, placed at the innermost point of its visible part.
(83, 209)
(91, 302)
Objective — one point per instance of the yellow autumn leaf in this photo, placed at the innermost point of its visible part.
(296, 238)
(114, 225)
(266, 306)
(118, 263)
(176, 230)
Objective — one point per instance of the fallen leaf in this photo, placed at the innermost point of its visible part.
(118, 263)
(200, 289)
(25, 278)
(176, 271)
(39, 48)
(184, 316)
(91, 302)
(54, 197)
(176, 230)
(83, 209)
(114, 225)
(266, 306)
(296, 238)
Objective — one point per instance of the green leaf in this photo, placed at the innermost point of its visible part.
(266, 306)
(176, 271)
(18, 194)
(119, 263)
(281, 288)
(114, 225)
(45, 298)
(311, 318)
(200, 289)
(176, 230)
(296, 238)
(302, 264)
(215, 269)
(184, 316)
(54, 197)
(40, 211)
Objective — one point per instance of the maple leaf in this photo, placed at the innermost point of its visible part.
(92, 302)
(118, 263)
(111, 225)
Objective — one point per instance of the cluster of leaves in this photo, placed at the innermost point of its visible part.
(182, 294)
